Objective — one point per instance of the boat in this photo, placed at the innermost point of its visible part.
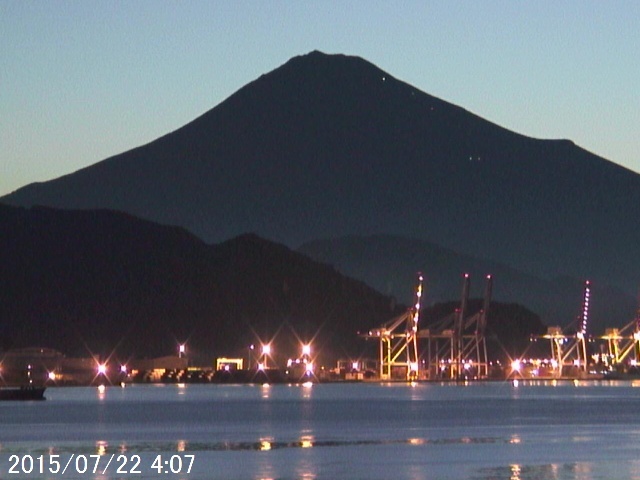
(22, 393)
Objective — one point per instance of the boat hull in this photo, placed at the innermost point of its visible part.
(23, 393)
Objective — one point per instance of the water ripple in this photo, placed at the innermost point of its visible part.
(264, 444)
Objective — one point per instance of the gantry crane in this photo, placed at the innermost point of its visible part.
(570, 349)
(398, 340)
(457, 343)
(624, 344)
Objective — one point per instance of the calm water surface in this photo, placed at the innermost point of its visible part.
(479, 431)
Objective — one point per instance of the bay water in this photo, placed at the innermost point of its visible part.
(494, 430)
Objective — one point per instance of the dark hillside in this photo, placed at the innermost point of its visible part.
(389, 264)
(509, 328)
(96, 281)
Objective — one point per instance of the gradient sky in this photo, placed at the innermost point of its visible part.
(82, 81)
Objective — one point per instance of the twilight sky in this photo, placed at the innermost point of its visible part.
(82, 81)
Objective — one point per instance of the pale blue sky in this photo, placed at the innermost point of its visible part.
(83, 80)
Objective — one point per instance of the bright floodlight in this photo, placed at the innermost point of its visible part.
(123, 368)
(102, 369)
(266, 349)
(306, 349)
(515, 365)
(52, 376)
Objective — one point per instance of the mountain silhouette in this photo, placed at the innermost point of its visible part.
(330, 145)
(107, 283)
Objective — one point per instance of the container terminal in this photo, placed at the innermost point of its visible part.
(452, 349)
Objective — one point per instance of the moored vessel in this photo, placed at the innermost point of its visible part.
(22, 393)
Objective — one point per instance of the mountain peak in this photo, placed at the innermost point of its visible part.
(317, 67)
(315, 54)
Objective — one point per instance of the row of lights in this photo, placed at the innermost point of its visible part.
(267, 352)
(102, 367)
(262, 364)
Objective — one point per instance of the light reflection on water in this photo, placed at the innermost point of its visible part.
(264, 444)
(422, 431)
(578, 470)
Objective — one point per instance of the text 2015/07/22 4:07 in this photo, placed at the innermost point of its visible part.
(100, 464)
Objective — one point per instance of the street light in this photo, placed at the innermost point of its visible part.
(516, 365)
(264, 361)
(250, 360)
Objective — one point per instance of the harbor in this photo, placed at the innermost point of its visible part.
(452, 349)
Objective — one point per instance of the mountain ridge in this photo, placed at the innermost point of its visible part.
(389, 264)
(107, 283)
(116, 287)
